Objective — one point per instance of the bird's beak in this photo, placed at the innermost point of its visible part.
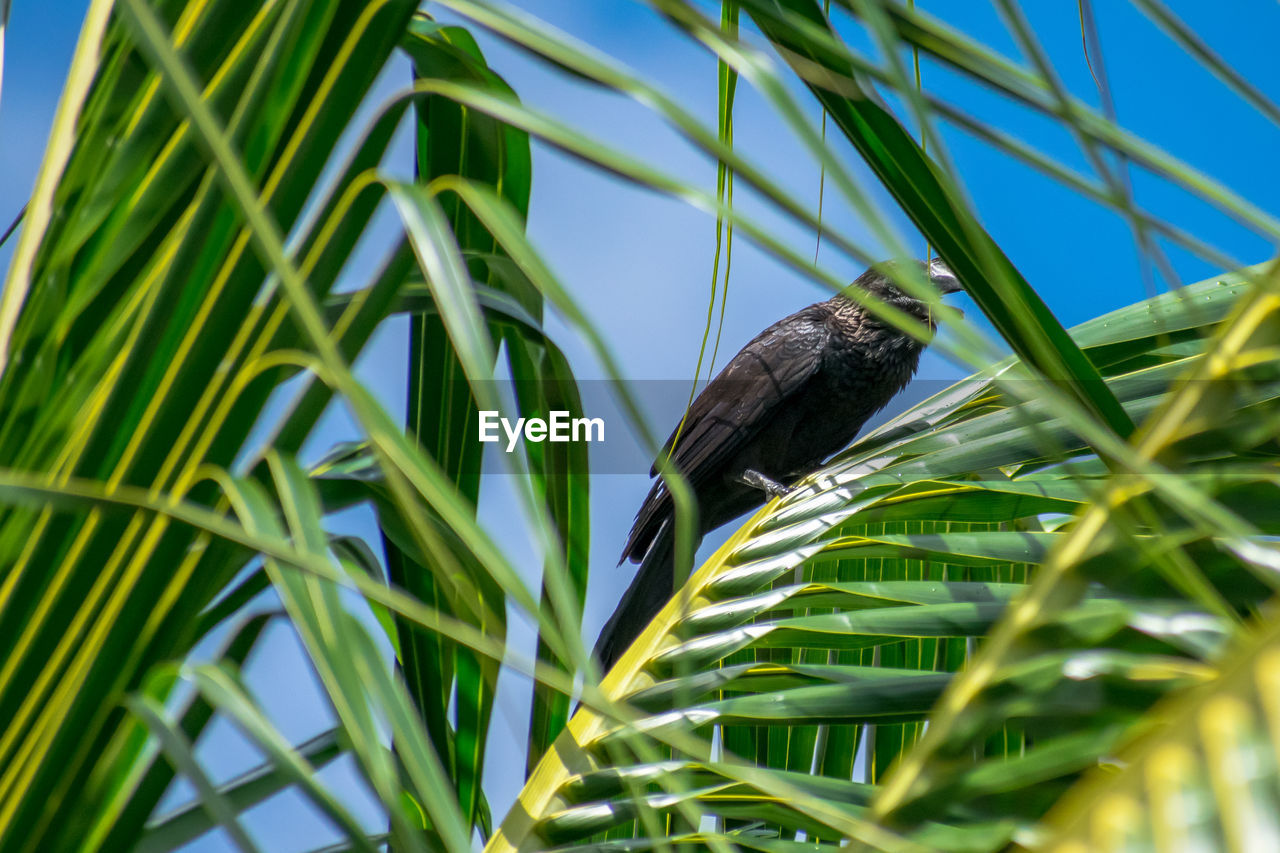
(942, 277)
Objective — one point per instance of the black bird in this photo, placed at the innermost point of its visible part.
(797, 394)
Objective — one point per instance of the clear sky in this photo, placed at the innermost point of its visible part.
(640, 264)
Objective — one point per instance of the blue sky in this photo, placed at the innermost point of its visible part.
(640, 264)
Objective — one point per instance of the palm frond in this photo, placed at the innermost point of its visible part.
(902, 556)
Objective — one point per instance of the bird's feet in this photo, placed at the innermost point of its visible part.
(756, 480)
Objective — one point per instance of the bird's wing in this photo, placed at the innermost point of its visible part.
(734, 406)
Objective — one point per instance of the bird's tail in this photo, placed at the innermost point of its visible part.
(650, 589)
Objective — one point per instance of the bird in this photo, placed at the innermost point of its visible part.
(798, 393)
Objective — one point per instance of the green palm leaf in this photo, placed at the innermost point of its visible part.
(1005, 617)
(1207, 773)
(913, 596)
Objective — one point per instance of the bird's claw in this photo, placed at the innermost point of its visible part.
(770, 487)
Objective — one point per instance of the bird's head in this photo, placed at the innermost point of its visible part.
(887, 281)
